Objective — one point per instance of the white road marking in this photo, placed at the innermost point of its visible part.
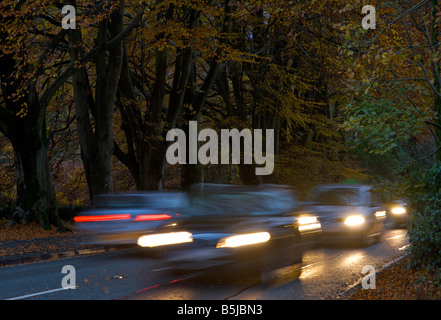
(40, 293)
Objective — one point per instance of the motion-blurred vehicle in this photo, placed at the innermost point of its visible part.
(228, 227)
(398, 212)
(122, 218)
(347, 212)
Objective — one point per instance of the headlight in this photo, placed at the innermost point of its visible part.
(354, 220)
(307, 220)
(398, 210)
(380, 214)
(243, 239)
(162, 239)
(308, 223)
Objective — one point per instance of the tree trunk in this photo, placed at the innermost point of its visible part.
(96, 138)
(191, 173)
(437, 82)
(146, 143)
(27, 133)
(145, 158)
(35, 190)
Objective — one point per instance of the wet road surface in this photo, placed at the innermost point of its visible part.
(326, 273)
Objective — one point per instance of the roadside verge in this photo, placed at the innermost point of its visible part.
(21, 244)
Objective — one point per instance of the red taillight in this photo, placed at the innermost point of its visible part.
(150, 217)
(109, 217)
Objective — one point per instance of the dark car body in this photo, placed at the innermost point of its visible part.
(122, 218)
(347, 212)
(220, 212)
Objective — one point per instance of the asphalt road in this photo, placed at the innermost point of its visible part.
(327, 272)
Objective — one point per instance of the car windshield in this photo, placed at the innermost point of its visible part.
(241, 203)
(155, 200)
(338, 197)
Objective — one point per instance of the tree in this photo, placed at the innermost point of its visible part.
(33, 52)
(94, 104)
(293, 86)
(27, 59)
(158, 81)
(398, 76)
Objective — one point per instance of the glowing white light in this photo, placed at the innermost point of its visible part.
(311, 226)
(163, 239)
(243, 239)
(380, 214)
(354, 220)
(398, 210)
(307, 220)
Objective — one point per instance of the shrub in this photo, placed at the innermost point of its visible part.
(423, 190)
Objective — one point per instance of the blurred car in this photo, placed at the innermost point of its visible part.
(122, 218)
(229, 227)
(347, 212)
(398, 212)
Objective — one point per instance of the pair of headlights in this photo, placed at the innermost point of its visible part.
(169, 238)
(162, 239)
(358, 219)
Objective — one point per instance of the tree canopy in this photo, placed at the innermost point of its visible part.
(86, 111)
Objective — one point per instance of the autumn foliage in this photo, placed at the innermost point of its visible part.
(86, 111)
